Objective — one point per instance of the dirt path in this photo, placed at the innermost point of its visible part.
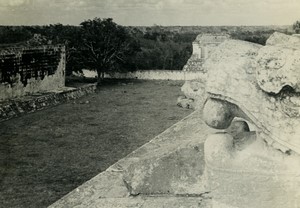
(46, 154)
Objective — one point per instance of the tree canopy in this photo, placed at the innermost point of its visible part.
(106, 46)
(117, 48)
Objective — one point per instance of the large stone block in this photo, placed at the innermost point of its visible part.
(176, 172)
(172, 163)
(259, 84)
(255, 176)
(232, 77)
(165, 172)
(203, 47)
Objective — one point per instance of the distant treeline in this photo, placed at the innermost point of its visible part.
(159, 47)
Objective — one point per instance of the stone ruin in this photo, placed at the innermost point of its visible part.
(203, 46)
(239, 149)
(33, 78)
(28, 70)
(245, 83)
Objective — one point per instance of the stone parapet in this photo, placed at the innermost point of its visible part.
(165, 172)
(27, 104)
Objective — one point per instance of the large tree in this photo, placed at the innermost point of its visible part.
(106, 46)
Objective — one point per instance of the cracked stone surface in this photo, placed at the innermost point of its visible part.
(259, 84)
(243, 168)
(250, 175)
(165, 172)
(232, 76)
(195, 90)
(279, 63)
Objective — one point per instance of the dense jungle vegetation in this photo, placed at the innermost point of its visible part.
(156, 47)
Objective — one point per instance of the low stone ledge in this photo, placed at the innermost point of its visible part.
(165, 172)
(27, 104)
(146, 202)
(147, 75)
(171, 163)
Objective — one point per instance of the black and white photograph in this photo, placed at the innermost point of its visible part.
(150, 103)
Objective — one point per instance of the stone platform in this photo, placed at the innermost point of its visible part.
(37, 101)
(165, 172)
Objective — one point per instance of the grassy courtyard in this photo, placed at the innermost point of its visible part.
(46, 154)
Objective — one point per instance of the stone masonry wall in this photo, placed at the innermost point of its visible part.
(24, 71)
(147, 75)
(203, 46)
(29, 104)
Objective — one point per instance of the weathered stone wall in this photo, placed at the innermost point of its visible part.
(203, 46)
(24, 71)
(193, 89)
(29, 104)
(157, 75)
(148, 75)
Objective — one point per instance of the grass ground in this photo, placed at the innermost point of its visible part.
(46, 154)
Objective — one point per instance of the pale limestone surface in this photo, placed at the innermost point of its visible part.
(172, 163)
(145, 75)
(203, 47)
(282, 39)
(249, 170)
(232, 77)
(279, 63)
(184, 102)
(240, 172)
(195, 90)
(255, 175)
(166, 172)
(147, 202)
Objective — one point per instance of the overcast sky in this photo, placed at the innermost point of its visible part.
(150, 12)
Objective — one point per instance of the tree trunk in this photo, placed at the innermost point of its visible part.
(100, 77)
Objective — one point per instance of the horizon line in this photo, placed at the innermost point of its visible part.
(154, 25)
